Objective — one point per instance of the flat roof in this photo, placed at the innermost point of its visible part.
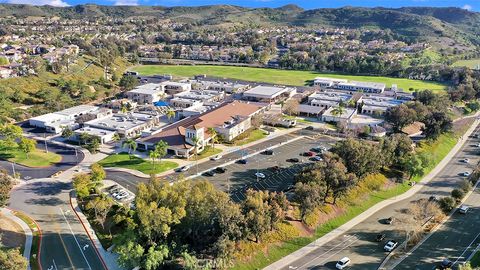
(347, 112)
(364, 84)
(266, 91)
(149, 88)
(304, 108)
(121, 121)
(80, 109)
(49, 117)
(175, 83)
(94, 131)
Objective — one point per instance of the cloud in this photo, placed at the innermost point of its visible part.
(56, 3)
(126, 3)
(467, 7)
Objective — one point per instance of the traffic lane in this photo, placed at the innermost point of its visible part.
(126, 180)
(46, 201)
(70, 158)
(455, 240)
(447, 179)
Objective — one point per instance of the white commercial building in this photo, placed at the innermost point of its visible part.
(173, 88)
(342, 84)
(269, 93)
(54, 122)
(105, 136)
(126, 125)
(346, 115)
(146, 94)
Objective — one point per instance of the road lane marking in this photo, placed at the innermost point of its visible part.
(74, 237)
(326, 252)
(468, 247)
(57, 227)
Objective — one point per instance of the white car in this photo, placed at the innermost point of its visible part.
(217, 157)
(317, 158)
(391, 245)
(122, 196)
(183, 168)
(465, 160)
(343, 263)
(260, 175)
(463, 209)
(466, 174)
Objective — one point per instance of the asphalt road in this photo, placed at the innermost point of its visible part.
(455, 240)
(358, 243)
(65, 244)
(240, 177)
(70, 158)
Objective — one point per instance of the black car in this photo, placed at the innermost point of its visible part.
(220, 170)
(293, 160)
(242, 161)
(432, 199)
(380, 237)
(274, 168)
(389, 220)
(309, 128)
(268, 152)
(445, 264)
(210, 173)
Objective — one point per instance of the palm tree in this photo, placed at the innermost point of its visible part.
(213, 133)
(338, 111)
(170, 114)
(131, 145)
(161, 149)
(195, 141)
(153, 154)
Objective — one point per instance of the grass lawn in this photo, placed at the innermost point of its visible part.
(471, 63)
(249, 136)
(37, 158)
(208, 151)
(288, 77)
(36, 237)
(436, 150)
(123, 160)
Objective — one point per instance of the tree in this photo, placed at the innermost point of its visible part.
(9, 133)
(360, 158)
(400, 116)
(131, 145)
(458, 194)
(6, 186)
(436, 123)
(97, 173)
(291, 107)
(130, 253)
(153, 154)
(414, 165)
(128, 82)
(308, 196)
(67, 132)
(155, 257)
(101, 205)
(82, 184)
(447, 204)
(255, 210)
(195, 141)
(170, 114)
(337, 180)
(27, 145)
(11, 259)
(213, 133)
(338, 111)
(257, 120)
(161, 149)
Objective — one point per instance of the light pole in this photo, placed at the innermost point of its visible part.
(45, 141)
(13, 169)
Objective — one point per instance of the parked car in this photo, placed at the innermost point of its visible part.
(268, 152)
(242, 161)
(293, 160)
(274, 168)
(445, 264)
(466, 174)
(112, 187)
(412, 183)
(390, 245)
(210, 173)
(343, 263)
(465, 160)
(289, 188)
(220, 170)
(122, 196)
(217, 157)
(463, 209)
(309, 128)
(380, 237)
(389, 220)
(260, 175)
(316, 158)
(309, 154)
(183, 168)
(432, 198)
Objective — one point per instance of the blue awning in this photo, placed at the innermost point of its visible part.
(161, 103)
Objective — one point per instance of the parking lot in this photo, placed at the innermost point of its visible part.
(277, 171)
(240, 177)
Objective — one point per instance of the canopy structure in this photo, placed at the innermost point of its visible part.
(161, 103)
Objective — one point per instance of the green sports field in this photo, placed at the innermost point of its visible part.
(276, 76)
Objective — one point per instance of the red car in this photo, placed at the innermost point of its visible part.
(309, 154)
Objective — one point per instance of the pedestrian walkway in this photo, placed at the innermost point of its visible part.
(289, 259)
(28, 233)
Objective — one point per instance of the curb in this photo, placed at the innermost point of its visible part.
(88, 233)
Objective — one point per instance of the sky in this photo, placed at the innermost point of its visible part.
(473, 5)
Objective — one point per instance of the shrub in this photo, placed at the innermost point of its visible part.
(466, 186)
(447, 204)
(458, 194)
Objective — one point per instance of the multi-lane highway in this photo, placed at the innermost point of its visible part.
(359, 243)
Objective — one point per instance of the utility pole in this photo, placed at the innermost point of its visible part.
(45, 141)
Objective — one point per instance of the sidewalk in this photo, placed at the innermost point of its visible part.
(28, 233)
(287, 260)
(108, 258)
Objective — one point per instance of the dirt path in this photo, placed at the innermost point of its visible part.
(12, 233)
